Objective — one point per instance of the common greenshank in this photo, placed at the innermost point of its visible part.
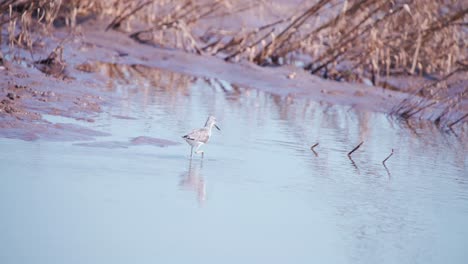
(200, 136)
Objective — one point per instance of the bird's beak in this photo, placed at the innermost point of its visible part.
(217, 127)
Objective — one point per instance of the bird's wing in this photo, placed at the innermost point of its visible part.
(200, 135)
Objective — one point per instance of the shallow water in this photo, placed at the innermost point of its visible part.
(260, 195)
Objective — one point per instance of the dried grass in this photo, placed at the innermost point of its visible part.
(372, 39)
(349, 40)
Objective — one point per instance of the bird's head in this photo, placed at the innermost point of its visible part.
(211, 121)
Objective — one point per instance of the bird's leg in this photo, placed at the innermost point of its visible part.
(199, 151)
(191, 152)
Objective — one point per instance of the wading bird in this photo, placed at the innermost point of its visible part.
(200, 136)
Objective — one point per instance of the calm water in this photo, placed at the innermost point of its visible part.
(259, 196)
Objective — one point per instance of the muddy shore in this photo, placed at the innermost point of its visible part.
(78, 90)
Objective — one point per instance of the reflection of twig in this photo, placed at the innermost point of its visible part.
(453, 132)
(354, 149)
(312, 148)
(221, 85)
(388, 171)
(354, 163)
(383, 162)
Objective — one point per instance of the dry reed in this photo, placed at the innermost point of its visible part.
(342, 39)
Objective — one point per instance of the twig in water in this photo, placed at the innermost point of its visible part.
(354, 149)
(383, 162)
(312, 148)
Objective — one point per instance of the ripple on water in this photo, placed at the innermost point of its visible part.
(259, 191)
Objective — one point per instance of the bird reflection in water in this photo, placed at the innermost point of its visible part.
(192, 180)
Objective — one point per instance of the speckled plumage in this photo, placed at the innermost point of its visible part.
(199, 135)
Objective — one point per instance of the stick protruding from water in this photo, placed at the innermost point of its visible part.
(383, 162)
(356, 148)
(312, 148)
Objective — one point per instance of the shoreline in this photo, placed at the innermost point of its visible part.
(29, 93)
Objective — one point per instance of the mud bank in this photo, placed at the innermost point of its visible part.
(79, 91)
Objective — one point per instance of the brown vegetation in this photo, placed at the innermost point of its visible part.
(337, 39)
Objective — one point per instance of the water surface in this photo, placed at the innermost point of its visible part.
(260, 195)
